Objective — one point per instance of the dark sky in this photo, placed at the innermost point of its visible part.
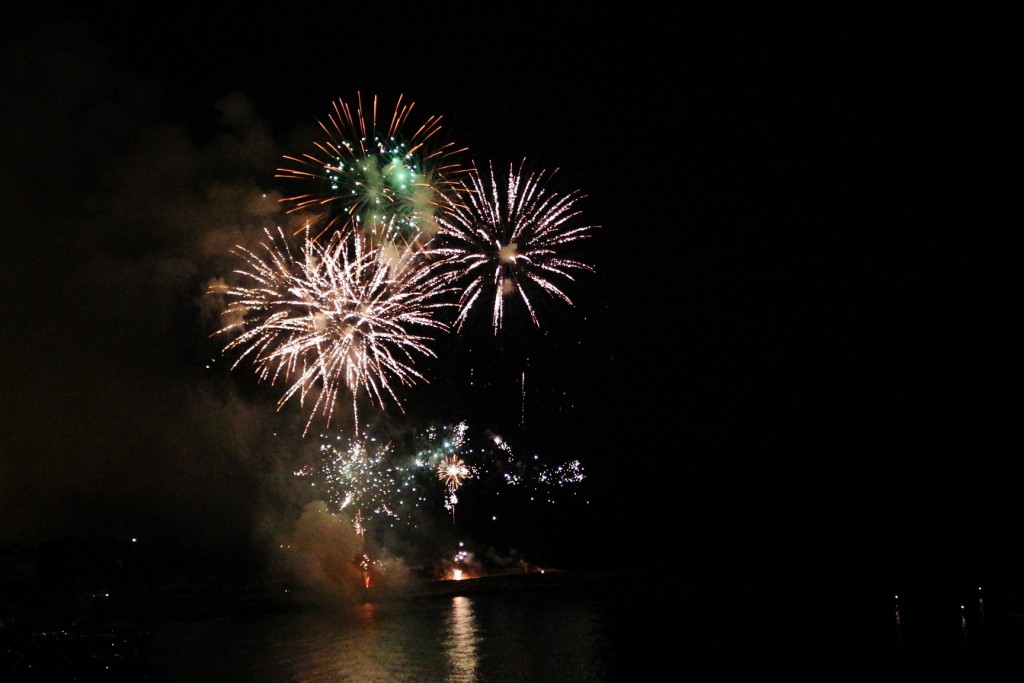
(799, 326)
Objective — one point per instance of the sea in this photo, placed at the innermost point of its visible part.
(624, 626)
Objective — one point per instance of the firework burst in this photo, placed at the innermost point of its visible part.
(377, 181)
(333, 317)
(504, 240)
(452, 471)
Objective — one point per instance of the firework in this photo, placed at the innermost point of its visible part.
(383, 481)
(333, 317)
(350, 303)
(504, 240)
(440, 452)
(380, 182)
(357, 524)
(535, 477)
(357, 477)
(395, 482)
(452, 471)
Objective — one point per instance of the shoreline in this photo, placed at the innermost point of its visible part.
(42, 608)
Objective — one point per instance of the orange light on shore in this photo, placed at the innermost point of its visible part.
(457, 575)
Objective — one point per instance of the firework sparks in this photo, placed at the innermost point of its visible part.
(379, 182)
(505, 241)
(357, 524)
(452, 471)
(351, 303)
(360, 476)
(333, 317)
(537, 479)
(383, 481)
(394, 484)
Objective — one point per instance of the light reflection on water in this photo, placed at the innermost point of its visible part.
(536, 636)
(460, 645)
(612, 630)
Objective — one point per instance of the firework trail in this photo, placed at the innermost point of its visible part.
(504, 240)
(334, 317)
(376, 181)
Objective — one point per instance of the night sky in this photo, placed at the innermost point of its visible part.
(797, 338)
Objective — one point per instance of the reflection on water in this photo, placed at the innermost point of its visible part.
(615, 630)
(541, 636)
(460, 643)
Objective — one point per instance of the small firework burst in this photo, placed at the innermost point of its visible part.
(452, 471)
